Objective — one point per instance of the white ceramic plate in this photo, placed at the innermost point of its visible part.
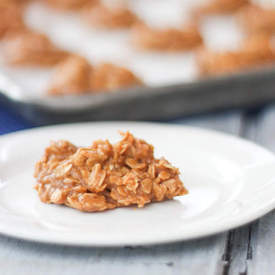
(231, 182)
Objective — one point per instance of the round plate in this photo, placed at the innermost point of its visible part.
(231, 182)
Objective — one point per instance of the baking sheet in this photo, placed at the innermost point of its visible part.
(70, 32)
(169, 75)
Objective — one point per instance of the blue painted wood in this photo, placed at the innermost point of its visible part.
(10, 122)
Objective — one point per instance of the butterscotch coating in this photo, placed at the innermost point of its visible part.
(255, 51)
(255, 19)
(105, 176)
(171, 39)
(109, 77)
(214, 7)
(105, 17)
(72, 76)
(31, 48)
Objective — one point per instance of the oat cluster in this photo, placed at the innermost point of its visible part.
(105, 176)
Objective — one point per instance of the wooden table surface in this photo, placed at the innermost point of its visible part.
(249, 250)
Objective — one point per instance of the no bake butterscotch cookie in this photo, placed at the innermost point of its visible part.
(105, 176)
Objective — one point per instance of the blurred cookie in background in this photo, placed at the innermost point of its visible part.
(214, 7)
(20, 3)
(11, 19)
(257, 19)
(169, 39)
(72, 76)
(109, 77)
(75, 75)
(114, 15)
(70, 4)
(255, 51)
(30, 48)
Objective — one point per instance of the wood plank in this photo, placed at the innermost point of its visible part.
(24, 258)
(263, 233)
(228, 122)
(239, 240)
(204, 256)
